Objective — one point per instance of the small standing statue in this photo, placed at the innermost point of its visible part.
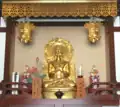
(94, 77)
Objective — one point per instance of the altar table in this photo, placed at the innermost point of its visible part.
(89, 101)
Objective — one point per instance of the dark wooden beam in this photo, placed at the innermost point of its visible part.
(9, 33)
(116, 29)
(3, 29)
(111, 50)
(59, 24)
(118, 7)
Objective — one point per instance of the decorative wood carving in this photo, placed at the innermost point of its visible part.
(59, 9)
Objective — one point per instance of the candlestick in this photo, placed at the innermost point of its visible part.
(17, 80)
(80, 71)
(13, 77)
(13, 80)
(17, 77)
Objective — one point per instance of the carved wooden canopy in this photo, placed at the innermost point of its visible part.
(59, 8)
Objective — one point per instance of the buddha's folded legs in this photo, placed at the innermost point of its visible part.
(59, 83)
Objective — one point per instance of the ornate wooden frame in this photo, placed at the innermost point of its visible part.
(109, 41)
(96, 8)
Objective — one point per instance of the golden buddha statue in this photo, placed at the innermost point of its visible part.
(60, 71)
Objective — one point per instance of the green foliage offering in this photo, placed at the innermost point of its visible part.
(39, 75)
(29, 80)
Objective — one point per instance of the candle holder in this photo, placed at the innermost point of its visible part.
(80, 76)
(80, 87)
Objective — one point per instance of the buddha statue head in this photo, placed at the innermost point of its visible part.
(58, 54)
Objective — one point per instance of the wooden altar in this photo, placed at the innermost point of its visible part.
(24, 99)
(90, 101)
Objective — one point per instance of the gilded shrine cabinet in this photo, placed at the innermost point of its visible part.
(61, 49)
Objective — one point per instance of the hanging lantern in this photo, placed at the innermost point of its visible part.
(94, 31)
(25, 32)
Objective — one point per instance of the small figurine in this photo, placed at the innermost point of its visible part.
(94, 77)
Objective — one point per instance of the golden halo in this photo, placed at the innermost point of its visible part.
(65, 48)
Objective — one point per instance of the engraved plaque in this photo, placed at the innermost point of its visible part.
(36, 88)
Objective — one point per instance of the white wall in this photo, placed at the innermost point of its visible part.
(2, 54)
(2, 49)
(117, 54)
(117, 48)
(84, 53)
